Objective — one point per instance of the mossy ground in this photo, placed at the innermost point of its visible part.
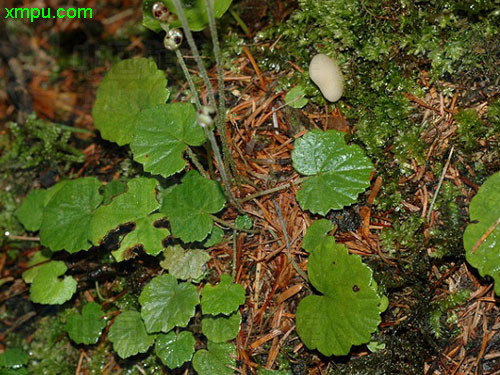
(421, 78)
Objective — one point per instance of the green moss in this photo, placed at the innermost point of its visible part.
(470, 129)
(442, 313)
(51, 352)
(38, 143)
(446, 234)
(403, 235)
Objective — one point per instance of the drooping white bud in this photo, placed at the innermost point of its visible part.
(173, 39)
(160, 12)
(206, 116)
(326, 74)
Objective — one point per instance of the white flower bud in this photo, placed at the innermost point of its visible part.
(206, 116)
(160, 12)
(173, 39)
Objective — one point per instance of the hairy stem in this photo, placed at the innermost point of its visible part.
(221, 118)
(185, 70)
(196, 162)
(225, 178)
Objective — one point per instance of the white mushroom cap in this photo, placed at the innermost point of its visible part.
(326, 74)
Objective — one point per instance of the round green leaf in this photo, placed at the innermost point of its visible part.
(13, 358)
(339, 173)
(128, 88)
(221, 328)
(87, 327)
(223, 298)
(166, 304)
(37, 258)
(175, 349)
(347, 312)
(30, 212)
(243, 222)
(194, 10)
(215, 237)
(162, 134)
(295, 98)
(128, 335)
(484, 230)
(188, 206)
(215, 360)
(184, 264)
(317, 235)
(47, 288)
(66, 218)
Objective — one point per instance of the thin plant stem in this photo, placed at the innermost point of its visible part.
(288, 245)
(194, 49)
(221, 118)
(240, 22)
(232, 226)
(185, 70)
(196, 162)
(235, 238)
(204, 74)
(220, 163)
(440, 183)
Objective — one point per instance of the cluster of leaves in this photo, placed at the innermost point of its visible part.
(70, 216)
(165, 305)
(348, 310)
(75, 215)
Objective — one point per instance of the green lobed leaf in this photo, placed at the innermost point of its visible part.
(184, 264)
(215, 360)
(127, 89)
(13, 358)
(484, 214)
(348, 311)
(86, 328)
(132, 206)
(167, 304)
(339, 173)
(221, 328)
(223, 298)
(66, 217)
(47, 288)
(214, 238)
(146, 235)
(194, 10)
(317, 235)
(30, 212)
(128, 335)
(188, 206)
(112, 189)
(243, 222)
(162, 134)
(175, 349)
(37, 258)
(295, 98)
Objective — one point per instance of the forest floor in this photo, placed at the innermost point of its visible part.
(442, 319)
